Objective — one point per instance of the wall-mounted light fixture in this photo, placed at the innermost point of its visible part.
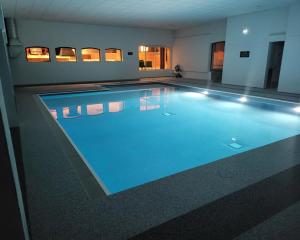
(245, 31)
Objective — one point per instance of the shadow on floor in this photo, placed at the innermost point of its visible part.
(233, 214)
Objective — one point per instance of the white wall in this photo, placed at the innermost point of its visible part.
(290, 71)
(55, 34)
(264, 27)
(192, 48)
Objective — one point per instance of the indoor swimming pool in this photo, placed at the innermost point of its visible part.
(134, 136)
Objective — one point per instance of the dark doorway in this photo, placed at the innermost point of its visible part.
(274, 64)
(217, 60)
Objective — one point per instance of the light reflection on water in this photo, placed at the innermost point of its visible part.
(149, 100)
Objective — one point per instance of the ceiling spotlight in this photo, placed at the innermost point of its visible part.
(245, 31)
(297, 109)
(243, 99)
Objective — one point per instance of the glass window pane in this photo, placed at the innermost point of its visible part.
(217, 56)
(142, 57)
(113, 55)
(154, 58)
(90, 55)
(65, 54)
(37, 54)
(167, 58)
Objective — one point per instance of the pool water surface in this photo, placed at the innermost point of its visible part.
(133, 137)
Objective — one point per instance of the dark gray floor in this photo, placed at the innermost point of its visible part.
(65, 201)
(235, 213)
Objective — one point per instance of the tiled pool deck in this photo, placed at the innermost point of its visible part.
(253, 195)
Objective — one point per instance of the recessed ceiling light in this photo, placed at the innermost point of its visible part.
(297, 109)
(245, 31)
(243, 99)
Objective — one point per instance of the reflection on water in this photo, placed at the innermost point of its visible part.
(94, 109)
(72, 112)
(53, 113)
(116, 106)
(148, 100)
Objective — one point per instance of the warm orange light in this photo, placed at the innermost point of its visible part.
(113, 55)
(90, 55)
(154, 58)
(218, 56)
(37, 54)
(115, 106)
(65, 54)
(167, 58)
(143, 49)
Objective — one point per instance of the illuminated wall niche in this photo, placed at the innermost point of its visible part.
(37, 54)
(113, 55)
(65, 54)
(90, 54)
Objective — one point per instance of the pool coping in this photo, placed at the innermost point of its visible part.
(176, 184)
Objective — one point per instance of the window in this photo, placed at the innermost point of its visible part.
(154, 58)
(217, 56)
(113, 55)
(65, 54)
(90, 55)
(37, 54)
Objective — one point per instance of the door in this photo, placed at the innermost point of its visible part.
(217, 60)
(274, 64)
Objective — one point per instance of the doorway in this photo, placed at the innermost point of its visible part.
(274, 64)
(217, 60)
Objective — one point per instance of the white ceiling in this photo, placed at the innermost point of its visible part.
(169, 14)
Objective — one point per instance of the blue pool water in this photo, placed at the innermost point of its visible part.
(129, 138)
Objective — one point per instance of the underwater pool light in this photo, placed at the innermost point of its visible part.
(245, 31)
(297, 109)
(205, 92)
(243, 99)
